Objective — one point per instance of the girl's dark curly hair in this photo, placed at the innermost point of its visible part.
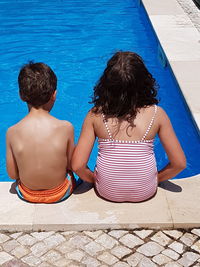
(125, 86)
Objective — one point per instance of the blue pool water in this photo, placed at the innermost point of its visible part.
(76, 38)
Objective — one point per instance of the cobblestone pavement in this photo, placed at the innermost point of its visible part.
(192, 10)
(117, 248)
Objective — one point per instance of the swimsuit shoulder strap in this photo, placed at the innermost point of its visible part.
(106, 125)
(150, 124)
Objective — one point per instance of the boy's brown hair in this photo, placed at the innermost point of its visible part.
(37, 82)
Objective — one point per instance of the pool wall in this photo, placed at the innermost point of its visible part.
(180, 41)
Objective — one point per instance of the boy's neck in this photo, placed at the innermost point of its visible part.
(37, 111)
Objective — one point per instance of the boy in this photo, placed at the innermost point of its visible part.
(40, 147)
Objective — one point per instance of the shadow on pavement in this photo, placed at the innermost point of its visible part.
(170, 186)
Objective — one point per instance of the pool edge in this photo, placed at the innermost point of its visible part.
(171, 208)
(181, 49)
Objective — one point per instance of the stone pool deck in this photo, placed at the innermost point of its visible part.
(88, 231)
(176, 205)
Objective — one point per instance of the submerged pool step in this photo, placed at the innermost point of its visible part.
(162, 57)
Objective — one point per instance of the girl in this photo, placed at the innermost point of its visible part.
(125, 118)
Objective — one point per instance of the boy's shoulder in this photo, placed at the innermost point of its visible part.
(12, 129)
(65, 124)
(12, 132)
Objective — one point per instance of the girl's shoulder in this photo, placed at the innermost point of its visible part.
(161, 113)
(161, 116)
(92, 116)
(155, 113)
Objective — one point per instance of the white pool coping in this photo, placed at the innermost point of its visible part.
(181, 42)
(176, 204)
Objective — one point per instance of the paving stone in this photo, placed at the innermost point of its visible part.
(150, 249)
(106, 241)
(107, 258)
(42, 235)
(1, 249)
(39, 249)
(27, 240)
(173, 233)
(51, 256)
(4, 257)
(76, 255)
(173, 264)
(62, 263)
(93, 248)
(68, 233)
(94, 234)
(16, 235)
(188, 259)
(31, 260)
(161, 238)
(75, 265)
(196, 246)
(3, 238)
(134, 259)
(15, 263)
(120, 251)
(44, 264)
(121, 264)
(20, 251)
(196, 231)
(10, 245)
(131, 241)
(171, 253)
(79, 241)
(176, 246)
(145, 262)
(117, 233)
(143, 233)
(90, 262)
(188, 239)
(161, 259)
(54, 240)
(65, 247)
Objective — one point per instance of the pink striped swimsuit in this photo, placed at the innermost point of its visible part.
(126, 170)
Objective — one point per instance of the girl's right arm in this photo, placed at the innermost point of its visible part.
(83, 149)
(176, 157)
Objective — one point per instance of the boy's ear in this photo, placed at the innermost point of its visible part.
(53, 97)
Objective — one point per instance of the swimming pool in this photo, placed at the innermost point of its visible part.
(76, 38)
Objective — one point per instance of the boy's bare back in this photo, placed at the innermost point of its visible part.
(41, 146)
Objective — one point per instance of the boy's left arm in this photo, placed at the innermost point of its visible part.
(11, 164)
(70, 145)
